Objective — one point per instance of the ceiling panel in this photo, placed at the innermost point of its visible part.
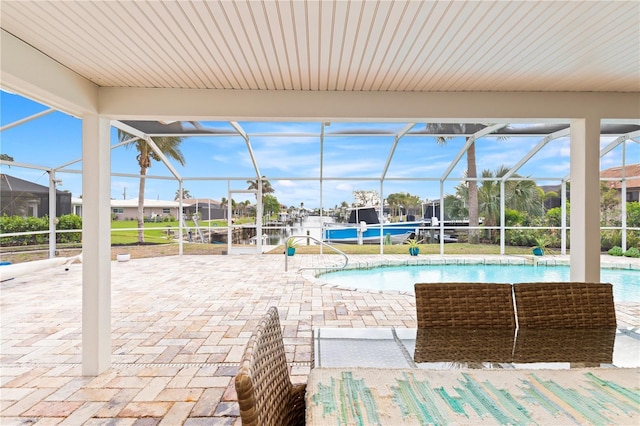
(339, 45)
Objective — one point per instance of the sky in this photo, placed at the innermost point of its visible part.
(290, 162)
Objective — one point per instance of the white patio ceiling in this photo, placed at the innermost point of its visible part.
(575, 62)
(341, 46)
(402, 46)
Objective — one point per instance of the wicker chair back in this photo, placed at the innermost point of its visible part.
(266, 395)
(564, 305)
(471, 305)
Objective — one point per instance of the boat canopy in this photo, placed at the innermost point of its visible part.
(366, 214)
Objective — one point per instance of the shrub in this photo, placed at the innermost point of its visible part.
(632, 252)
(513, 217)
(610, 238)
(11, 224)
(615, 251)
(14, 224)
(69, 221)
(633, 214)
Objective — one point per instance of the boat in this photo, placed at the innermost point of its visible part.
(364, 227)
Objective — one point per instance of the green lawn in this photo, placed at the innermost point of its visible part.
(125, 231)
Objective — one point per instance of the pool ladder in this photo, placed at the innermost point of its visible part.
(322, 243)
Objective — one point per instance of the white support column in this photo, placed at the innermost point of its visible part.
(53, 215)
(180, 218)
(502, 219)
(259, 213)
(585, 199)
(623, 195)
(96, 245)
(381, 215)
(563, 220)
(441, 237)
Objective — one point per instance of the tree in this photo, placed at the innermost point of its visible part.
(242, 207)
(609, 205)
(633, 214)
(366, 198)
(395, 201)
(402, 202)
(270, 204)
(520, 195)
(266, 186)
(554, 215)
(472, 174)
(266, 189)
(185, 194)
(6, 157)
(169, 146)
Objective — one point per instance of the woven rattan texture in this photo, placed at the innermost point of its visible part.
(564, 305)
(464, 345)
(265, 394)
(473, 305)
(591, 346)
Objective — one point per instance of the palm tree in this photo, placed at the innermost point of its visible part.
(223, 205)
(169, 146)
(185, 194)
(520, 195)
(266, 189)
(472, 185)
(266, 186)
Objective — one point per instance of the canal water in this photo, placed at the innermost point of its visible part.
(310, 225)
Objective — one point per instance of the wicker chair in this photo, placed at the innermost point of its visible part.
(592, 346)
(470, 305)
(564, 305)
(464, 345)
(265, 393)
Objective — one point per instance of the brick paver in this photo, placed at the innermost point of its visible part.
(179, 328)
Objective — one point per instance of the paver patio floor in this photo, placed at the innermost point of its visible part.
(179, 328)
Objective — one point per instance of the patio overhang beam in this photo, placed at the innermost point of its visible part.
(487, 130)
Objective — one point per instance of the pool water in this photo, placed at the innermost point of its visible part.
(626, 282)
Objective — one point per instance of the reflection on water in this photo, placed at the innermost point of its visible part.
(309, 225)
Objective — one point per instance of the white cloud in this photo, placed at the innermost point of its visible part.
(344, 187)
(286, 183)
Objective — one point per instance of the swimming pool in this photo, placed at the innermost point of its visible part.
(626, 282)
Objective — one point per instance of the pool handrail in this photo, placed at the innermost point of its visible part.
(322, 243)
